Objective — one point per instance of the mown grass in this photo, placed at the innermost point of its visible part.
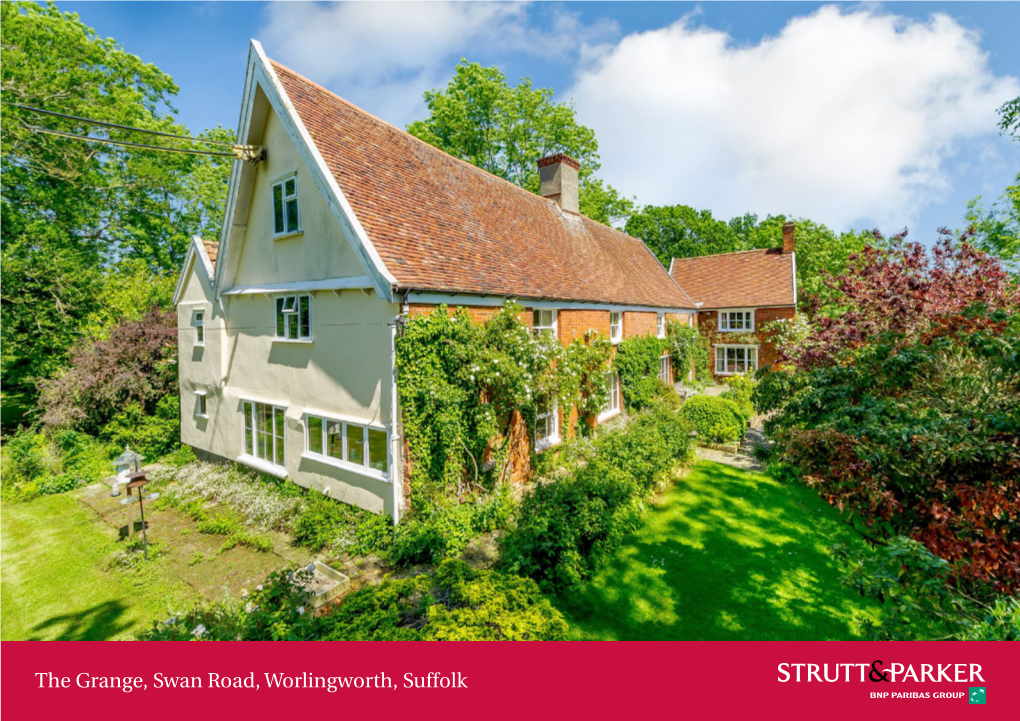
(726, 555)
(56, 584)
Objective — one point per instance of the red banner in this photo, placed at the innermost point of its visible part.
(513, 681)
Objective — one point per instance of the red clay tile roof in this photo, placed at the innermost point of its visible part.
(440, 224)
(748, 279)
(212, 249)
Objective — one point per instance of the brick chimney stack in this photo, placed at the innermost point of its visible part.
(788, 229)
(558, 174)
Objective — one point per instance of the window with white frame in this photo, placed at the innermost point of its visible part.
(200, 407)
(294, 317)
(736, 320)
(264, 432)
(613, 389)
(198, 321)
(731, 359)
(664, 369)
(355, 446)
(547, 423)
(544, 323)
(285, 207)
(615, 327)
(660, 325)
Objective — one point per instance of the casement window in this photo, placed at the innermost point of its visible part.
(660, 325)
(544, 323)
(198, 321)
(547, 423)
(356, 447)
(613, 400)
(664, 369)
(264, 433)
(736, 320)
(200, 405)
(294, 317)
(731, 359)
(285, 207)
(616, 327)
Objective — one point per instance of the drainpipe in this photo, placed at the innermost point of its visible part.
(396, 469)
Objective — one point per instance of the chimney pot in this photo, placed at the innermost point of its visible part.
(788, 229)
(558, 174)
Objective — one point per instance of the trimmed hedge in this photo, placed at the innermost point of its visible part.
(717, 420)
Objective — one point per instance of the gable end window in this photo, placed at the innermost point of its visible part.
(736, 320)
(285, 207)
(293, 317)
(198, 321)
(615, 327)
(732, 359)
(544, 323)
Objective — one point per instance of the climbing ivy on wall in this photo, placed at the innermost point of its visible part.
(637, 362)
(462, 384)
(684, 349)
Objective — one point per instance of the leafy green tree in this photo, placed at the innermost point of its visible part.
(505, 130)
(72, 209)
(680, 231)
(997, 226)
(1009, 118)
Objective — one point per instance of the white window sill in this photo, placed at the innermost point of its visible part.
(547, 443)
(736, 330)
(306, 341)
(199, 345)
(202, 415)
(608, 415)
(736, 373)
(616, 341)
(284, 236)
(261, 465)
(347, 466)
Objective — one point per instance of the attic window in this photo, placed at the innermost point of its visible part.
(294, 317)
(285, 207)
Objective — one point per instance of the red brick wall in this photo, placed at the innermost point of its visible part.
(478, 314)
(639, 323)
(575, 323)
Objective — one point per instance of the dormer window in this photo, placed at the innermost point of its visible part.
(285, 207)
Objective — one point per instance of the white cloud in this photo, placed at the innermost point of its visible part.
(844, 117)
(384, 55)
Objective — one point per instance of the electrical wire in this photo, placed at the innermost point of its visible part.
(105, 124)
(107, 141)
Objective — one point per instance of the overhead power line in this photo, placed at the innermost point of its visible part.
(251, 153)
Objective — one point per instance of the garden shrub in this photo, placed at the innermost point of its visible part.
(566, 529)
(35, 464)
(324, 523)
(152, 435)
(717, 420)
(740, 390)
(455, 603)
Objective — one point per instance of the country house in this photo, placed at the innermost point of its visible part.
(340, 226)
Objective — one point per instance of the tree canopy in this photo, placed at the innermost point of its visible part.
(506, 130)
(74, 210)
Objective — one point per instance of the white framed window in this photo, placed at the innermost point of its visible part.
(660, 325)
(544, 323)
(615, 326)
(264, 428)
(198, 321)
(285, 207)
(294, 317)
(612, 405)
(664, 369)
(732, 359)
(358, 447)
(731, 321)
(547, 423)
(200, 405)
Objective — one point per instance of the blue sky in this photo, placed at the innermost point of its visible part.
(852, 115)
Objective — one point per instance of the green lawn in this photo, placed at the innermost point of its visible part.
(726, 555)
(54, 579)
